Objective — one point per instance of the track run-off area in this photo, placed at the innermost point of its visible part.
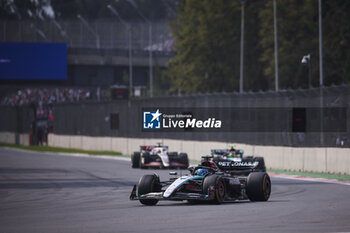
(43, 192)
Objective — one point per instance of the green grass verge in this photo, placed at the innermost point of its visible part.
(61, 150)
(313, 174)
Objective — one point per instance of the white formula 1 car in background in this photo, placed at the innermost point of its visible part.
(158, 157)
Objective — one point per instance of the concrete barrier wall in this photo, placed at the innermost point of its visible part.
(330, 160)
(7, 137)
(10, 137)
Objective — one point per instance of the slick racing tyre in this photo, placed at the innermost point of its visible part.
(261, 166)
(148, 184)
(258, 186)
(146, 157)
(135, 160)
(216, 182)
(184, 159)
(173, 157)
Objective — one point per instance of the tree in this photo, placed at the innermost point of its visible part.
(297, 36)
(254, 78)
(336, 33)
(207, 35)
(207, 42)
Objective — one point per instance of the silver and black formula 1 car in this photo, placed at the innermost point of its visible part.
(158, 157)
(204, 183)
(233, 159)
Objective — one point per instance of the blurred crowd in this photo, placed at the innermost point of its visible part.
(46, 96)
(42, 100)
(41, 105)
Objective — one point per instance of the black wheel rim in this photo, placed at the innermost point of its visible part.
(221, 190)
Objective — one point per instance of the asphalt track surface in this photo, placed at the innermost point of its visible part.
(55, 193)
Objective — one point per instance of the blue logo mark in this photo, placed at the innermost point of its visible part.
(151, 120)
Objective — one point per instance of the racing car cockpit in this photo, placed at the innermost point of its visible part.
(235, 153)
(207, 161)
(228, 153)
(201, 172)
(207, 166)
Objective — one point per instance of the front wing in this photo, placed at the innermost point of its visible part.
(160, 165)
(178, 196)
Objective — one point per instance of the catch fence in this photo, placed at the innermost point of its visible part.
(123, 118)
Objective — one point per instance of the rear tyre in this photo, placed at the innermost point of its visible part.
(148, 184)
(184, 159)
(261, 166)
(173, 157)
(146, 157)
(258, 186)
(216, 182)
(135, 160)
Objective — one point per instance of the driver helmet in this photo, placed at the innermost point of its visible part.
(201, 172)
(232, 147)
(232, 151)
(232, 155)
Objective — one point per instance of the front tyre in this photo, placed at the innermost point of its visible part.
(258, 186)
(148, 184)
(215, 182)
(184, 159)
(135, 160)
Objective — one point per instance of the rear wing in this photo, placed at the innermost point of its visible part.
(149, 148)
(226, 152)
(232, 165)
(219, 152)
